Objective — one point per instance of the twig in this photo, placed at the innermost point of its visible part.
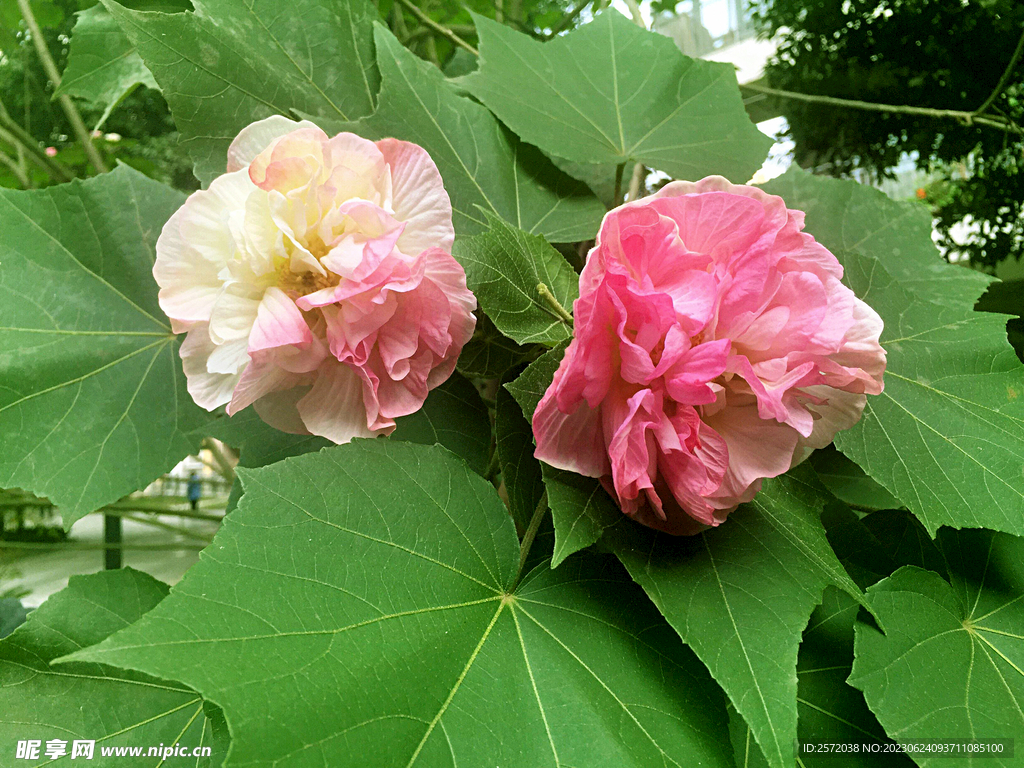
(424, 19)
(64, 100)
(966, 118)
(1004, 78)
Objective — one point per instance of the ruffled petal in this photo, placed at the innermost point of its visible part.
(334, 408)
(419, 198)
(256, 137)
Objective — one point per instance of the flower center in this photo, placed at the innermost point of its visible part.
(304, 283)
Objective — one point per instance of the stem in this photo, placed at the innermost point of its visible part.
(617, 198)
(639, 172)
(64, 100)
(557, 309)
(1004, 78)
(529, 536)
(967, 118)
(424, 19)
(492, 466)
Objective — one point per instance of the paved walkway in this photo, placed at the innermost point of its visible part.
(47, 571)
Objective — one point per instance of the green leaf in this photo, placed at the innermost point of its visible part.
(483, 165)
(504, 267)
(610, 92)
(376, 579)
(103, 65)
(520, 471)
(88, 701)
(947, 434)
(829, 710)
(848, 482)
(581, 510)
(875, 546)
(454, 416)
(949, 665)
(489, 353)
(532, 383)
(740, 595)
(233, 62)
(93, 403)
(12, 615)
(845, 216)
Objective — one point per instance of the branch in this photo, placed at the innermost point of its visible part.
(966, 118)
(64, 100)
(567, 20)
(639, 172)
(14, 134)
(1004, 78)
(15, 167)
(424, 19)
(634, 11)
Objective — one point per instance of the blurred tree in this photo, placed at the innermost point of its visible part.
(941, 54)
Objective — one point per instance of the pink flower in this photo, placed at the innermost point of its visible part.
(50, 151)
(314, 280)
(714, 346)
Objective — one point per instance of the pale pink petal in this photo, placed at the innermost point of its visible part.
(234, 313)
(278, 323)
(256, 137)
(209, 389)
(837, 411)
(259, 380)
(189, 282)
(280, 410)
(334, 407)
(757, 448)
(419, 197)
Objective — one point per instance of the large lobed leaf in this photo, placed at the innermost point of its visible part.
(378, 580)
(845, 216)
(92, 396)
(610, 93)
(950, 662)
(92, 702)
(103, 65)
(486, 169)
(947, 434)
(741, 594)
(233, 62)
